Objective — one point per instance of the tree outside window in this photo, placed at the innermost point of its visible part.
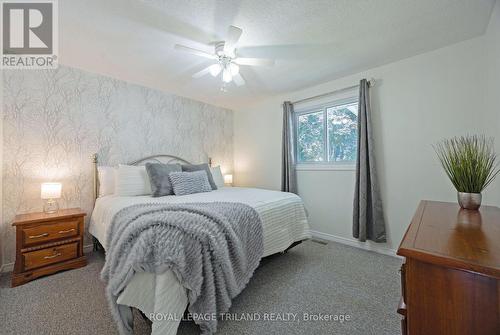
(328, 134)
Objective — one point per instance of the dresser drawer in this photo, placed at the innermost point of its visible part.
(47, 232)
(42, 257)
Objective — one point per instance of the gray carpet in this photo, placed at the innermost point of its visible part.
(312, 278)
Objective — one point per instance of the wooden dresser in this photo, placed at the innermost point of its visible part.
(48, 243)
(450, 278)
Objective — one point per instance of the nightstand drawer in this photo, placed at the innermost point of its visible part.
(48, 232)
(35, 259)
(47, 243)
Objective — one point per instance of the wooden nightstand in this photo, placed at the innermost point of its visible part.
(48, 243)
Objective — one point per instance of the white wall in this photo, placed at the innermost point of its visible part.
(416, 102)
(492, 39)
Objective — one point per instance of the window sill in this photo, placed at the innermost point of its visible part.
(325, 167)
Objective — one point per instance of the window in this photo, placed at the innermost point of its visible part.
(328, 134)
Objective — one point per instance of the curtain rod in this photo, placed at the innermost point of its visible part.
(371, 82)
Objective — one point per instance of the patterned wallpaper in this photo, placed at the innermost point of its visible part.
(55, 119)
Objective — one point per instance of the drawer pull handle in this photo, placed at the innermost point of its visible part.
(38, 236)
(66, 231)
(53, 256)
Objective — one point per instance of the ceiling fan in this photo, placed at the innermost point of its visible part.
(226, 60)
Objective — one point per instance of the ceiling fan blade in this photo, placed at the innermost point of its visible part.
(202, 73)
(194, 51)
(233, 36)
(238, 80)
(254, 61)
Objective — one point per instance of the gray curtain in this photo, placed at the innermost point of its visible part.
(368, 214)
(288, 174)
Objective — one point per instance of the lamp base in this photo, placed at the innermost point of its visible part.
(51, 206)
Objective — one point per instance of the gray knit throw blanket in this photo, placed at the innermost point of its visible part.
(213, 249)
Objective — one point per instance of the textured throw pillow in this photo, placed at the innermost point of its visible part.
(132, 180)
(158, 177)
(217, 176)
(185, 183)
(106, 175)
(201, 167)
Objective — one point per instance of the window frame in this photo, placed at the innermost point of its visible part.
(325, 164)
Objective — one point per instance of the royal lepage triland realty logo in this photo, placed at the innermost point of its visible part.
(29, 34)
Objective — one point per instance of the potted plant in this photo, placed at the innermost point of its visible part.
(470, 163)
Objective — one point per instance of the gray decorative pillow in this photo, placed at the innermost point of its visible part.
(201, 167)
(158, 178)
(190, 182)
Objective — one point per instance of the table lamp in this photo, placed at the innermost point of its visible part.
(50, 192)
(228, 179)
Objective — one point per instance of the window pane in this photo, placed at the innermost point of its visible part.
(310, 132)
(342, 122)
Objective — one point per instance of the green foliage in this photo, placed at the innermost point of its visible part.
(469, 162)
(342, 134)
(310, 137)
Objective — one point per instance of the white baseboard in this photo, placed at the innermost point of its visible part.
(10, 266)
(7, 267)
(354, 243)
(88, 248)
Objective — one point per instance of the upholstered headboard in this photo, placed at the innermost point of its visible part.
(161, 158)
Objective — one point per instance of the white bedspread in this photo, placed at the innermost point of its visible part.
(284, 222)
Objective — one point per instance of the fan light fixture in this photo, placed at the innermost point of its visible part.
(226, 59)
(215, 69)
(235, 69)
(227, 77)
(226, 66)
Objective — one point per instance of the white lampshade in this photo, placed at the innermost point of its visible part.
(215, 69)
(51, 190)
(227, 76)
(228, 179)
(235, 69)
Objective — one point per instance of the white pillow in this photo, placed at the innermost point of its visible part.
(106, 180)
(132, 180)
(217, 176)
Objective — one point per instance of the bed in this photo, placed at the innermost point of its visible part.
(160, 296)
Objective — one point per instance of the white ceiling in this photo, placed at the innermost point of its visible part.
(313, 41)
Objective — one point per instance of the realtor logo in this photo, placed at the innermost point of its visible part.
(29, 34)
